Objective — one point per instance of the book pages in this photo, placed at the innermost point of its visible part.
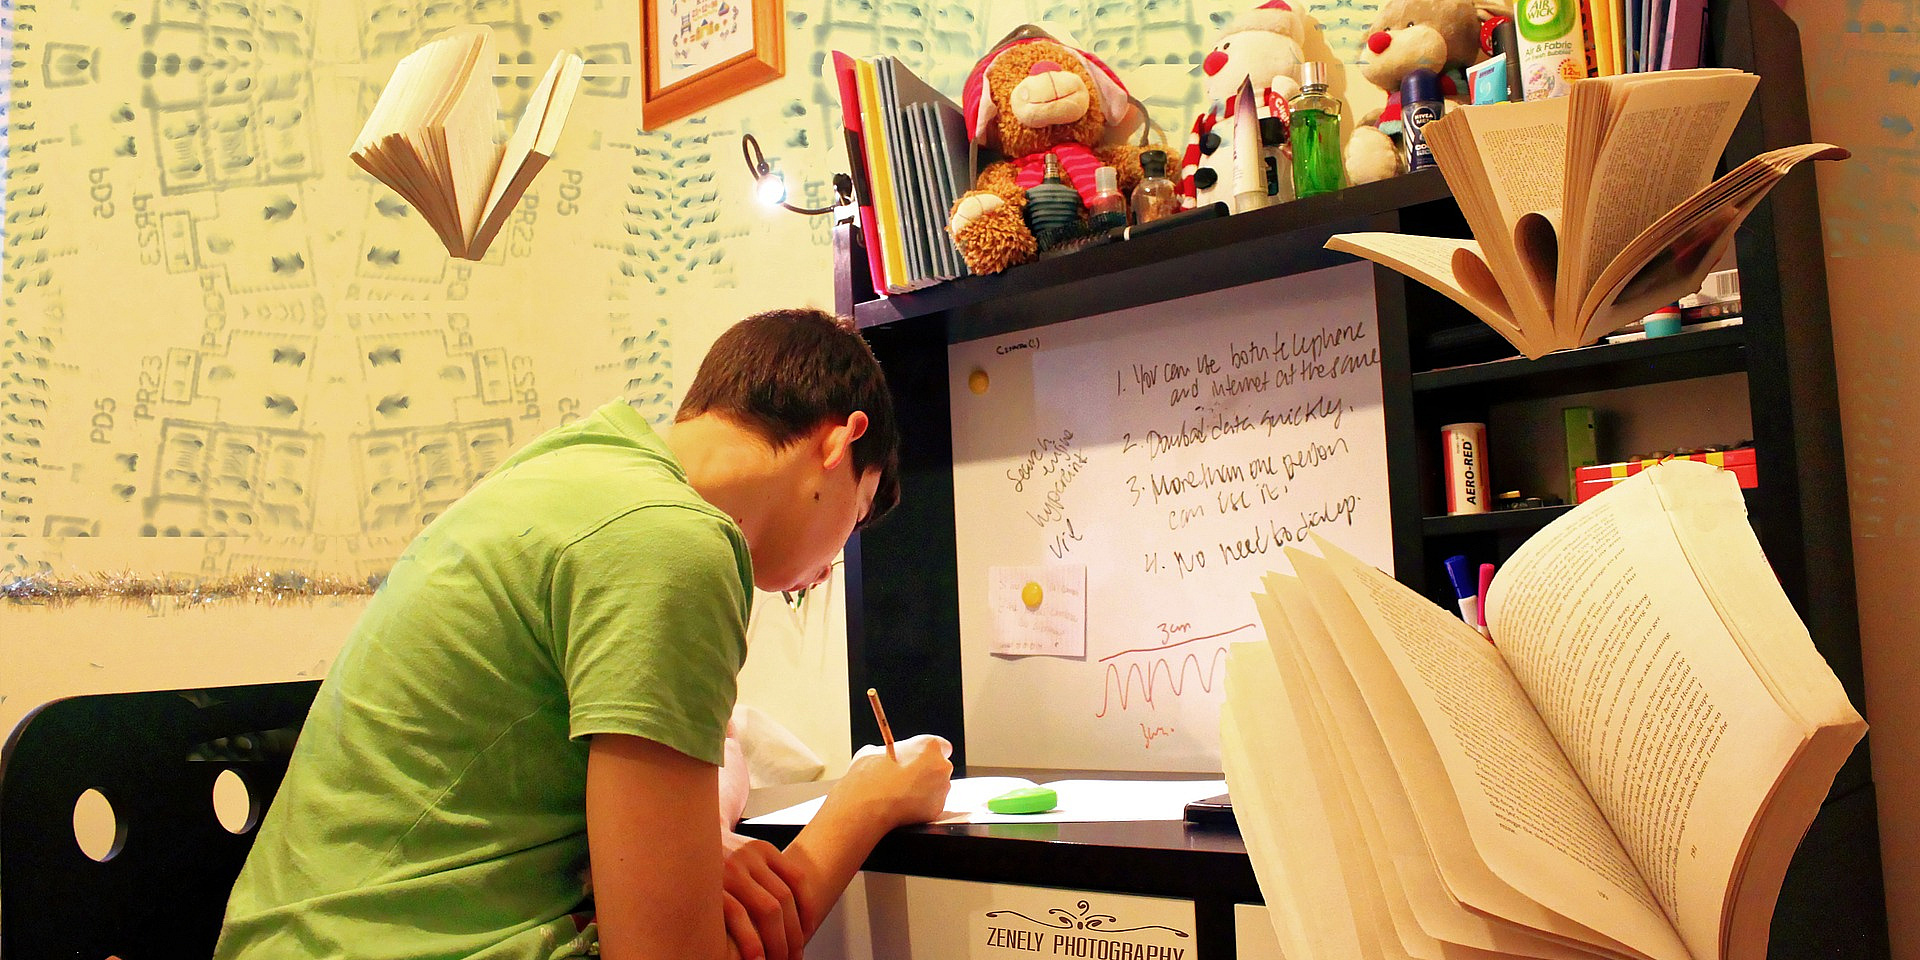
(1672, 255)
(1350, 810)
(1591, 210)
(1659, 138)
(1278, 806)
(1710, 524)
(1315, 675)
(466, 135)
(461, 55)
(431, 136)
(528, 148)
(1608, 627)
(1453, 267)
(1503, 161)
(1496, 797)
(1380, 904)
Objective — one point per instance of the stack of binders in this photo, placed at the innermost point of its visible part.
(908, 147)
(1642, 36)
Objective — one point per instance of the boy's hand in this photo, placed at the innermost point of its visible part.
(762, 913)
(876, 795)
(912, 789)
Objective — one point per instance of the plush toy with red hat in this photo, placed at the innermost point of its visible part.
(1030, 97)
(1236, 152)
(1438, 35)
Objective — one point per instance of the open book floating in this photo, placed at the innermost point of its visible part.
(431, 136)
(1588, 211)
(1625, 772)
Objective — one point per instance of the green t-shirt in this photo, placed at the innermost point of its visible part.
(435, 805)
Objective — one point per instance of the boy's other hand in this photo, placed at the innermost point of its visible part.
(912, 789)
(762, 912)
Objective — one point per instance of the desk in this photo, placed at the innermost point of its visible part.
(927, 891)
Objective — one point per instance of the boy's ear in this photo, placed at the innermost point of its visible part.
(840, 438)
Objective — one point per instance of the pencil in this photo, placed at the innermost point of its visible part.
(880, 717)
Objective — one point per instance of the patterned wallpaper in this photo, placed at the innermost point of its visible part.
(226, 349)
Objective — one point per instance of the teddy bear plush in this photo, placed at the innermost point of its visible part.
(1407, 35)
(1030, 97)
(1236, 151)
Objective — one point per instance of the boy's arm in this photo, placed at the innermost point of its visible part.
(763, 919)
(876, 795)
(656, 858)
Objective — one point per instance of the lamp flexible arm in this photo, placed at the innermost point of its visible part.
(758, 166)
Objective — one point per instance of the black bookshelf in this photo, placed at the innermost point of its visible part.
(1602, 366)
(1438, 365)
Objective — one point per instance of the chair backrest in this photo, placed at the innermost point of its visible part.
(162, 887)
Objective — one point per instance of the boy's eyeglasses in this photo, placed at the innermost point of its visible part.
(798, 598)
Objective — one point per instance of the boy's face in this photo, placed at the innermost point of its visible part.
(799, 553)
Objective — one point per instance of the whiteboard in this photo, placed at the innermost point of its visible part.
(1172, 451)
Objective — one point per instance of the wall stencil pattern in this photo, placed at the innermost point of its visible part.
(226, 348)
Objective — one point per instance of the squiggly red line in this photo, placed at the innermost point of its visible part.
(1175, 680)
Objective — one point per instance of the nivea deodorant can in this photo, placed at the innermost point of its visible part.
(1420, 104)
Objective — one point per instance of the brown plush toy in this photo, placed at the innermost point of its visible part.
(1438, 35)
(1029, 97)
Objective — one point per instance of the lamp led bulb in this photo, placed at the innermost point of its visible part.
(771, 188)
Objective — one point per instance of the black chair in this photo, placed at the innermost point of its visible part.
(161, 889)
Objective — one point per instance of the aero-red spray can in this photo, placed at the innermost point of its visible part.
(1466, 459)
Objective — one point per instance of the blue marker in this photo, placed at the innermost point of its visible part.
(1467, 588)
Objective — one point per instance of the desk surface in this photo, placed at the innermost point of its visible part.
(1168, 858)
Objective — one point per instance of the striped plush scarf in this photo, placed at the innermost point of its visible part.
(1076, 161)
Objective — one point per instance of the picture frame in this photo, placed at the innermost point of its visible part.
(696, 53)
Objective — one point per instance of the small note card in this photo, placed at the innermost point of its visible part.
(1038, 611)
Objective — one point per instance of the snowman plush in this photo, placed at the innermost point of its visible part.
(1237, 150)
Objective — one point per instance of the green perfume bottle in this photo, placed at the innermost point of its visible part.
(1315, 128)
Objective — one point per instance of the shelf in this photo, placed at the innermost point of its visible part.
(1603, 366)
(1525, 520)
(1499, 521)
(1277, 241)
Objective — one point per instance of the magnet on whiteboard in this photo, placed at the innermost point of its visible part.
(977, 381)
(1031, 595)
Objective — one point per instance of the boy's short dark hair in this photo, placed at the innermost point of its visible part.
(784, 372)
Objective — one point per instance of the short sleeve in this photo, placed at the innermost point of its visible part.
(649, 627)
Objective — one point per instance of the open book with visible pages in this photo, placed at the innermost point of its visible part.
(1624, 772)
(431, 136)
(1588, 211)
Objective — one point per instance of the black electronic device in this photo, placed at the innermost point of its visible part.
(1216, 811)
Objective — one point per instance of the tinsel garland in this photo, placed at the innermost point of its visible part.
(256, 586)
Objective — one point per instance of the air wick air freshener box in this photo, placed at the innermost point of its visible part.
(1552, 51)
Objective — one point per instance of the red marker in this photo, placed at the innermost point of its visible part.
(1486, 580)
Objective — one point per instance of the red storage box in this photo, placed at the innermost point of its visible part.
(1592, 480)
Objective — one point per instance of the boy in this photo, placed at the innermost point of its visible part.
(515, 754)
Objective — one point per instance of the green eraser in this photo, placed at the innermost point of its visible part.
(1024, 800)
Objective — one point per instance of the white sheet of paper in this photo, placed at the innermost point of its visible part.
(1080, 801)
(1056, 626)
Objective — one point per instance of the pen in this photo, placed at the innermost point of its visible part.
(1486, 580)
(880, 717)
(1458, 570)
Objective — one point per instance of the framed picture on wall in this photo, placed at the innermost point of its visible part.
(700, 52)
